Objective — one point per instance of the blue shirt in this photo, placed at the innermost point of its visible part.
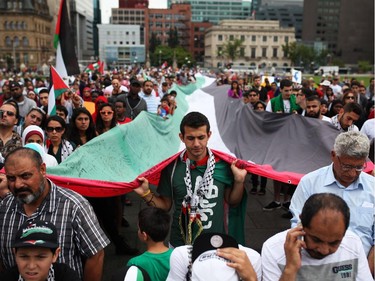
(359, 196)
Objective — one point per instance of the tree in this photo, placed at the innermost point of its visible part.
(154, 41)
(232, 49)
(165, 53)
(173, 37)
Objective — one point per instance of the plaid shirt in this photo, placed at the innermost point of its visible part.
(80, 235)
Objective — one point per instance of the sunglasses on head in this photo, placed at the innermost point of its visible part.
(57, 129)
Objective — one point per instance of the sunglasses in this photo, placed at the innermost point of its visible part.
(9, 113)
(350, 97)
(57, 129)
(106, 112)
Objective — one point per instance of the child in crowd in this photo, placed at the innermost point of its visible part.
(153, 229)
(163, 108)
(36, 250)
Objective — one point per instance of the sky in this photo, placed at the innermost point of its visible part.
(107, 5)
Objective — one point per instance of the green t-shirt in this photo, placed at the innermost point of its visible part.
(212, 207)
(156, 265)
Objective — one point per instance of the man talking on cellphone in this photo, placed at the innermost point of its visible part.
(319, 248)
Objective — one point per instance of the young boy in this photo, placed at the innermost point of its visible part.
(153, 229)
(36, 250)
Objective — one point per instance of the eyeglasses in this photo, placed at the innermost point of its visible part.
(57, 129)
(8, 112)
(347, 168)
(106, 112)
(350, 97)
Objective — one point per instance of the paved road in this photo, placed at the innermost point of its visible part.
(260, 225)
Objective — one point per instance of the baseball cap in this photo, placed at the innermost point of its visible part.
(14, 84)
(204, 257)
(212, 241)
(325, 83)
(36, 234)
(135, 82)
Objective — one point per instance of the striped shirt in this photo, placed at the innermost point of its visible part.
(80, 235)
(151, 101)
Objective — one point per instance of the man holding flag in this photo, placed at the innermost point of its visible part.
(200, 185)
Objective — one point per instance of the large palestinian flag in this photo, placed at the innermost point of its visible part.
(283, 147)
(66, 58)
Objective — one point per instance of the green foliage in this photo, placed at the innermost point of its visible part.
(364, 66)
(306, 56)
(173, 37)
(165, 53)
(231, 49)
(154, 41)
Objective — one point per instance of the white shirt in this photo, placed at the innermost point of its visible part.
(180, 261)
(349, 262)
(368, 128)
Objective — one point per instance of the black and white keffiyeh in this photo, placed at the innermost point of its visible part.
(190, 205)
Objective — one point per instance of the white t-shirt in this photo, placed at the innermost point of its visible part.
(349, 262)
(208, 266)
(368, 128)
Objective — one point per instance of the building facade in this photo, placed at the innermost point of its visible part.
(344, 27)
(215, 11)
(288, 14)
(261, 47)
(120, 45)
(82, 22)
(26, 34)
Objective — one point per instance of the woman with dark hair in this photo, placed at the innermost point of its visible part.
(106, 119)
(235, 90)
(82, 127)
(334, 108)
(57, 145)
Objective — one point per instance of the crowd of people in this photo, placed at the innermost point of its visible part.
(331, 209)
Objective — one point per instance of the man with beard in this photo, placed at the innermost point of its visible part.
(344, 121)
(24, 104)
(33, 196)
(313, 104)
(345, 178)
(9, 139)
(134, 103)
(320, 248)
(146, 94)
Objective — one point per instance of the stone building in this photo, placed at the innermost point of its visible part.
(261, 47)
(26, 34)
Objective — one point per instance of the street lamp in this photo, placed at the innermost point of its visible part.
(160, 57)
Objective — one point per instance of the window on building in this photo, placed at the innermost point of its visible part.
(253, 38)
(108, 32)
(8, 41)
(243, 38)
(274, 52)
(220, 38)
(253, 53)
(25, 41)
(286, 39)
(231, 37)
(275, 39)
(264, 52)
(242, 52)
(264, 38)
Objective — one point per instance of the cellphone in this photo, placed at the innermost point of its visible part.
(301, 237)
